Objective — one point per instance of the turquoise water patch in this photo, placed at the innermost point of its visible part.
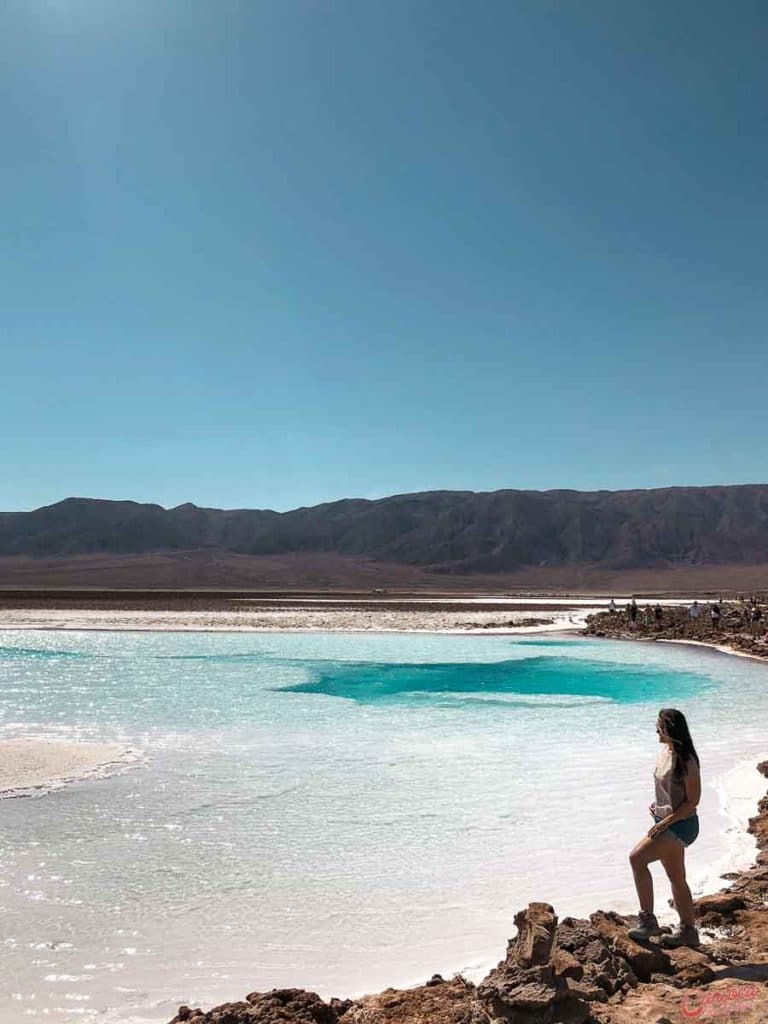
(369, 682)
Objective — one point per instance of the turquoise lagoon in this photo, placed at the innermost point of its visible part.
(339, 812)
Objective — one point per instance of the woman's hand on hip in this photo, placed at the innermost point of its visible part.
(655, 830)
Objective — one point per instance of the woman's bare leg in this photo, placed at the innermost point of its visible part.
(643, 879)
(673, 860)
(647, 851)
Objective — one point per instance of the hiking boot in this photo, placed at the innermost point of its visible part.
(648, 926)
(685, 935)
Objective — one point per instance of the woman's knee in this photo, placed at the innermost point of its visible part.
(638, 858)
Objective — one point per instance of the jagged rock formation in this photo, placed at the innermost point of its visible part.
(573, 972)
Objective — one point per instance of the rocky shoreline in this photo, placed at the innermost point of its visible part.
(574, 971)
(732, 632)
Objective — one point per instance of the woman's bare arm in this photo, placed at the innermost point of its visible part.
(692, 795)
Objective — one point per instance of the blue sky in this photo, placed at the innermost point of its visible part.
(269, 254)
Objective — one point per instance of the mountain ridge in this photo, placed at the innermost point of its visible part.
(443, 532)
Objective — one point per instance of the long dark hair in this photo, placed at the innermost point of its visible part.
(676, 727)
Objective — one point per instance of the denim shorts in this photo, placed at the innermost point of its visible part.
(686, 830)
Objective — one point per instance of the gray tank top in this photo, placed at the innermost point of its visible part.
(670, 791)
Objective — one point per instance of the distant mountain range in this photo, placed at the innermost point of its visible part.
(438, 532)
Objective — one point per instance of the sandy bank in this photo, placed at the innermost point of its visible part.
(31, 766)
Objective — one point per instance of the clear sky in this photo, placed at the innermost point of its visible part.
(268, 253)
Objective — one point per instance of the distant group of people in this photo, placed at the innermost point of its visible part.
(751, 615)
(649, 615)
(715, 612)
(748, 615)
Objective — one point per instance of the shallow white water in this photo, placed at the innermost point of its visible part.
(382, 820)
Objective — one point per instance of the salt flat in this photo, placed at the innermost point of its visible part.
(29, 764)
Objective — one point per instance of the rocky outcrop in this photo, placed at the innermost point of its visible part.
(574, 971)
(533, 984)
(732, 631)
(280, 1006)
(437, 1002)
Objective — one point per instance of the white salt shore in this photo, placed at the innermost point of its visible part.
(33, 766)
(291, 619)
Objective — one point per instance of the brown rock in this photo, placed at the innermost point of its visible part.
(603, 967)
(280, 1006)
(720, 903)
(536, 927)
(758, 827)
(750, 931)
(586, 989)
(691, 966)
(228, 1013)
(525, 988)
(565, 965)
(531, 996)
(644, 960)
(443, 1002)
(289, 1004)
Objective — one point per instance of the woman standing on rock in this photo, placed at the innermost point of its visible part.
(678, 791)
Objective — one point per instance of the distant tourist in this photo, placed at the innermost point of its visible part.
(658, 614)
(648, 615)
(693, 611)
(632, 614)
(715, 615)
(678, 791)
(612, 607)
(757, 616)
